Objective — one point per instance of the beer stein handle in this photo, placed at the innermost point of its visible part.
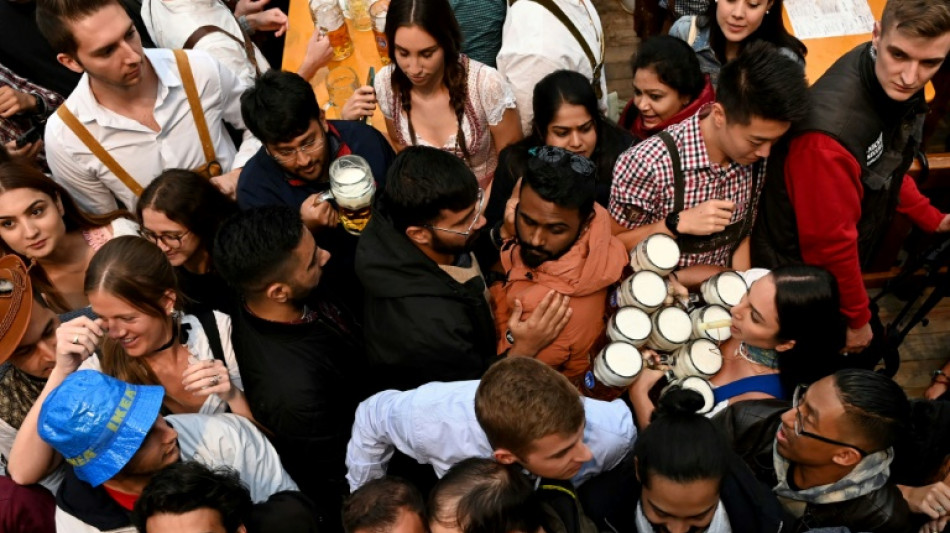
(324, 196)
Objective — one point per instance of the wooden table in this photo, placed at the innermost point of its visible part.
(364, 56)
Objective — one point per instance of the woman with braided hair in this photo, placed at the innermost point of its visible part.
(432, 95)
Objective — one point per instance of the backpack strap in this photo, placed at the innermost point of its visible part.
(188, 80)
(97, 149)
(210, 325)
(203, 31)
(596, 67)
(678, 179)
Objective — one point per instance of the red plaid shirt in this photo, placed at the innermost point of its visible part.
(13, 127)
(643, 191)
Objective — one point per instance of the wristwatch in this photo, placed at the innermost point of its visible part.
(673, 220)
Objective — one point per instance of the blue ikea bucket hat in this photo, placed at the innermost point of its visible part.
(98, 423)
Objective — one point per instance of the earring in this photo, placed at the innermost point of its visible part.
(873, 52)
(766, 11)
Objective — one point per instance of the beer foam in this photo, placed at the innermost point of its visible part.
(713, 313)
(731, 288)
(662, 250)
(703, 387)
(633, 323)
(705, 356)
(623, 359)
(674, 324)
(648, 287)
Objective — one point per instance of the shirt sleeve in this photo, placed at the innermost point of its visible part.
(523, 71)
(230, 54)
(231, 88)
(81, 182)
(610, 435)
(917, 207)
(383, 423)
(634, 193)
(224, 331)
(827, 208)
(384, 90)
(494, 94)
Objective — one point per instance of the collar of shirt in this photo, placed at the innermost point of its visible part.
(88, 109)
(693, 152)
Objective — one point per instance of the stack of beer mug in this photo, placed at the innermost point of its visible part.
(686, 333)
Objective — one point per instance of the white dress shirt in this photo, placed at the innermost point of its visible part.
(171, 23)
(144, 153)
(435, 424)
(534, 43)
(224, 440)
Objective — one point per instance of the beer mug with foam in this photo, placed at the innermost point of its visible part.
(671, 329)
(725, 289)
(711, 322)
(658, 252)
(612, 371)
(699, 385)
(645, 289)
(700, 357)
(352, 186)
(630, 324)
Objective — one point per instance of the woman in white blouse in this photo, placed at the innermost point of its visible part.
(142, 337)
(432, 95)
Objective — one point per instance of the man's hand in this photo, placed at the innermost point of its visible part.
(318, 213)
(361, 104)
(13, 102)
(246, 7)
(546, 323)
(27, 151)
(227, 183)
(319, 53)
(271, 20)
(935, 390)
(858, 339)
(944, 224)
(935, 526)
(711, 216)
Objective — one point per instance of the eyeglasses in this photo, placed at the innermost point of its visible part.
(799, 424)
(171, 240)
(478, 214)
(558, 156)
(289, 155)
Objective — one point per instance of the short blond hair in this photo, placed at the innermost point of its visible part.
(521, 400)
(919, 18)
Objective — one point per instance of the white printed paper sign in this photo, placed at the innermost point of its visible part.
(815, 19)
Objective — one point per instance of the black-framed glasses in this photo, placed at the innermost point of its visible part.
(171, 240)
(478, 213)
(553, 155)
(800, 426)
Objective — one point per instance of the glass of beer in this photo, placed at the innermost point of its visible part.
(331, 21)
(377, 13)
(352, 186)
(341, 83)
(359, 9)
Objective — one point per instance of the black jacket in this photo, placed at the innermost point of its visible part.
(420, 324)
(301, 383)
(850, 106)
(751, 427)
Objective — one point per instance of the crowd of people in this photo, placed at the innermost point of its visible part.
(194, 336)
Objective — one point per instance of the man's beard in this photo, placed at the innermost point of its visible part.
(535, 256)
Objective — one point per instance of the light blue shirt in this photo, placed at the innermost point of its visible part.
(435, 424)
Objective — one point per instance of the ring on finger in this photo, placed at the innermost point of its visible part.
(215, 379)
(76, 339)
(939, 509)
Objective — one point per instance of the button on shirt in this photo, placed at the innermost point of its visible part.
(144, 153)
(643, 191)
(535, 43)
(435, 424)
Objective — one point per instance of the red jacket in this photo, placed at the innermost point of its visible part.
(584, 273)
(824, 187)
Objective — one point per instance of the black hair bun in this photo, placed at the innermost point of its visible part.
(678, 401)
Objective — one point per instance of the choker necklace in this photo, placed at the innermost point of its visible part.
(171, 341)
(760, 356)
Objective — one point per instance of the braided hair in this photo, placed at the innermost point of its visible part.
(436, 18)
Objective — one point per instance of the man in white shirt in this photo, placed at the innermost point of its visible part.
(133, 103)
(535, 43)
(522, 411)
(112, 435)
